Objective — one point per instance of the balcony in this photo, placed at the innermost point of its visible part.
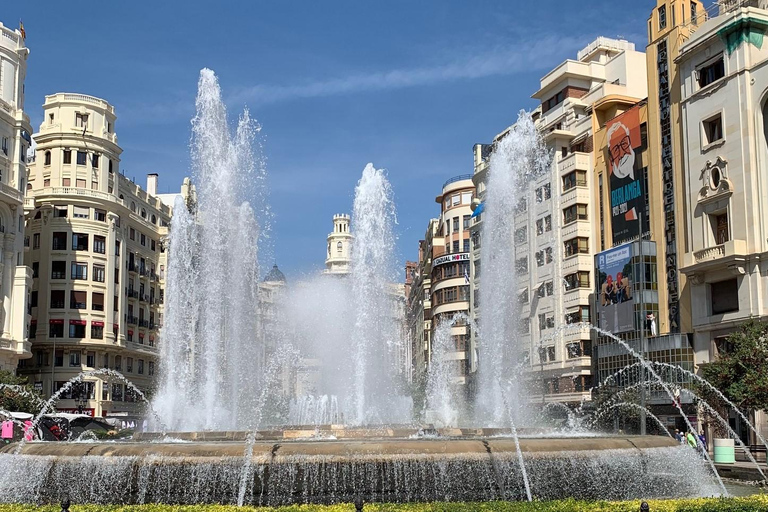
(144, 298)
(131, 319)
(733, 252)
(143, 323)
(131, 267)
(132, 294)
(576, 161)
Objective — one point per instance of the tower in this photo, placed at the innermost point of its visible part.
(337, 257)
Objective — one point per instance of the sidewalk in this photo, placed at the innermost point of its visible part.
(741, 470)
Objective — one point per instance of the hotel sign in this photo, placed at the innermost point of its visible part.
(450, 258)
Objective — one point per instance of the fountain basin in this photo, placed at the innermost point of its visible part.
(328, 471)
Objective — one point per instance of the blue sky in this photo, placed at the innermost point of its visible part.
(409, 86)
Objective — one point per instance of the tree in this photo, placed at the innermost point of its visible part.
(741, 372)
(16, 395)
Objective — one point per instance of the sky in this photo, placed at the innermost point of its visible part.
(410, 86)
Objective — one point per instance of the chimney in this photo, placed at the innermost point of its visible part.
(152, 184)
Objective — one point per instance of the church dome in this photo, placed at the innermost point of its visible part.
(275, 275)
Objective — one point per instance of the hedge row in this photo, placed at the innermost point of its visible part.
(747, 504)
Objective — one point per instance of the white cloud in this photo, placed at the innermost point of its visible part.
(538, 54)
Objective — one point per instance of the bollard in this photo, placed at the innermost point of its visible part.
(358, 504)
(65, 505)
(644, 507)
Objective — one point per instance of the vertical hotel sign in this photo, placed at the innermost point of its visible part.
(667, 179)
(627, 176)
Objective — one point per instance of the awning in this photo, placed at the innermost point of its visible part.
(130, 332)
(77, 322)
(55, 321)
(478, 210)
(97, 324)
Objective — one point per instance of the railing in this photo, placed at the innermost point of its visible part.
(710, 253)
(96, 194)
(143, 298)
(461, 177)
(131, 319)
(131, 267)
(29, 202)
(143, 323)
(15, 194)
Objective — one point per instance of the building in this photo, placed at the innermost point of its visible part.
(722, 70)
(418, 315)
(15, 140)
(338, 256)
(553, 231)
(97, 258)
(450, 272)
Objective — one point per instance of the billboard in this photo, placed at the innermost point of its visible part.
(626, 175)
(615, 301)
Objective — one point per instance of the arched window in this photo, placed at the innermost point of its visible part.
(154, 219)
(121, 196)
(133, 207)
(110, 166)
(338, 247)
(47, 158)
(143, 213)
(29, 186)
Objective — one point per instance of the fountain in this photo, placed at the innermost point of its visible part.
(224, 432)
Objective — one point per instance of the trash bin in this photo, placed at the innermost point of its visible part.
(725, 451)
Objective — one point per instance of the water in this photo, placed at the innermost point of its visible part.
(518, 158)
(210, 366)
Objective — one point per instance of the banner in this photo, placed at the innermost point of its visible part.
(626, 182)
(615, 302)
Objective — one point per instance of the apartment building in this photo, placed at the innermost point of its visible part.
(723, 74)
(15, 140)
(553, 232)
(96, 250)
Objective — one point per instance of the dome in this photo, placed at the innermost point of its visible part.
(275, 275)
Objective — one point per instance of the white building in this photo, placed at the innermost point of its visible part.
(553, 230)
(724, 115)
(97, 259)
(337, 259)
(15, 140)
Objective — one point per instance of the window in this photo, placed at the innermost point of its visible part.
(60, 211)
(574, 212)
(58, 270)
(522, 205)
(521, 234)
(539, 227)
(548, 254)
(82, 157)
(574, 179)
(77, 299)
(100, 215)
(574, 350)
(577, 280)
(65, 182)
(56, 330)
(465, 221)
(67, 156)
(713, 129)
(33, 299)
(79, 241)
(455, 224)
(662, 17)
(97, 301)
(81, 120)
(455, 200)
(98, 273)
(522, 297)
(79, 270)
(95, 161)
(117, 276)
(80, 212)
(152, 244)
(547, 191)
(151, 368)
(456, 246)
(118, 363)
(99, 244)
(47, 158)
(722, 233)
(129, 365)
(117, 389)
(466, 245)
(80, 183)
(132, 234)
(143, 213)
(74, 357)
(77, 330)
(59, 241)
(110, 166)
(143, 239)
(694, 16)
(90, 359)
(521, 265)
(540, 258)
(724, 296)
(711, 72)
(548, 223)
(117, 247)
(35, 269)
(57, 299)
(576, 245)
(550, 288)
(141, 367)
(36, 241)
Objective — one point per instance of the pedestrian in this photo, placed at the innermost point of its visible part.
(702, 440)
(692, 441)
(678, 436)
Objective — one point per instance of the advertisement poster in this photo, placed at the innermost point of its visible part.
(614, 293)
(626, 175)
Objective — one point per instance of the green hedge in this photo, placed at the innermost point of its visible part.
(748, 504)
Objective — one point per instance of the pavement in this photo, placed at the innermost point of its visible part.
(741, 470)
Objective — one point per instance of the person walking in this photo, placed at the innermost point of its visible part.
(678, 436)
